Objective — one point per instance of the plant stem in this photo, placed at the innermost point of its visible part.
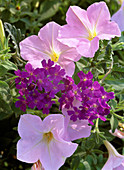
(11, 78)
(107, 72)
(118, 116)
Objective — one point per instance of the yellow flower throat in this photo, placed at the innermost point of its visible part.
(54, 56)
(48, 137)
(92, 35)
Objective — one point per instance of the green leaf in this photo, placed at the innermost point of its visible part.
(75, 163)
(9, 65)
(48, 8)
(5, 100)
(116, 84)
(100, 69)
(118, 71)
(112, 103)
(80, 66)
(3, 71)
(15, 34)
(114, 123)
(86, 165)
(118, 46)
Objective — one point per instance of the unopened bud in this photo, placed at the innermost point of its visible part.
(2, 34)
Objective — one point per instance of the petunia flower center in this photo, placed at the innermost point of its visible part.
(47, 137)
(54, 56)
(92, 35)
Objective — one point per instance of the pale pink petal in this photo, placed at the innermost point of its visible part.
(36, 63)
(68, 66)
(53, 121)
(70, 35)
(120, 167)
(108, 30)
(69, 54)
(88, 48)
(29, 126)
(98, 13)
(115, 159)
(49, 33)
(117, 133)
(59, 150)
(79, 129)
(29, 150)
(118, 17)
(75, 130)
(32, 48)
(79, 16)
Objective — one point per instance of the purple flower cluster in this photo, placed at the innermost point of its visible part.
(87, 100)
(37, 87)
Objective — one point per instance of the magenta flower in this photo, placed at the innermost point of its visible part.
(118, 133)
(84, 29)
(46, 46)
(118, 17)
(115, 160)
(41, 140)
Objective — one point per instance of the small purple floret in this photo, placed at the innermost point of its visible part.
(37, 87)
(91, 95)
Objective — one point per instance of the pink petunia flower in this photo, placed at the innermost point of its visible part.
(84, 29)
(46, 46)
(118, 133)
(115, 160)
(118, 17)
(41, 140)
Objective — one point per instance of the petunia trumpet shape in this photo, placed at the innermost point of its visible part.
(46, 46)
(115, 160)
(84, 29)
(118, 17)
(41, 140)
(118, 133)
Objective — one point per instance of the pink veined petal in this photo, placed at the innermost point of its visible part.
(120, 167)
(114, 160)
(75, 130)
(65, 35)
(69, 54)
(53, 121)
(108, 30)
(79, 129)
(29, 126)
(118, 17)
(36, 63)
(29, 150)
(88, 48)
(49, 34)
(79, 16)
(108, 165)
(59, 150)
(69, 66)
(98, 13)
(32, 48)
